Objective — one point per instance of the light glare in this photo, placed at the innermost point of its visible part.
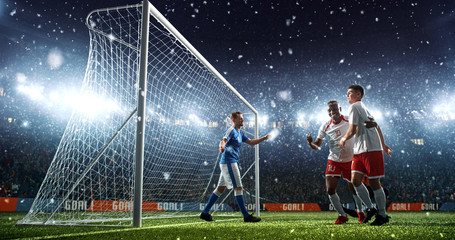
(55, 59)
(273, 134)
(33, 92)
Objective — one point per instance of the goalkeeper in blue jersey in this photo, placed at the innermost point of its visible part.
(230, 174)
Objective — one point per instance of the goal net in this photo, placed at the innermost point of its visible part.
(91, 178)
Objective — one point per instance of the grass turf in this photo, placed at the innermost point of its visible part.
(274, 225)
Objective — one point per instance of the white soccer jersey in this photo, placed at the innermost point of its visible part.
(335, 132)
(366, 139)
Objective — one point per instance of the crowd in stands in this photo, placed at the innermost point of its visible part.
(26, 154)
(414, 173)
(291, 172)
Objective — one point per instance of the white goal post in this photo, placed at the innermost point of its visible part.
(150, 144)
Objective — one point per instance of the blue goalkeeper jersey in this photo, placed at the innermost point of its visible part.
(234, 138)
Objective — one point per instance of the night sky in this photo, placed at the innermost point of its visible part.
(288, 58)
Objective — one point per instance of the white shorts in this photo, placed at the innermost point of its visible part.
(230, 176)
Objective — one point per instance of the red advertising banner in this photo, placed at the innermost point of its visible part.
(122, 206)
(152, 207)
(8, 204)
(406, 207)
(292, 207)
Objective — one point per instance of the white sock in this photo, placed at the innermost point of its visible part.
(335, 200)
(362, 193)
(216, 192)
(238, 192)
(358, 202)
(379, 197)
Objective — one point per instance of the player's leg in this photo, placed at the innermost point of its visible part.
(238, 194)
(332, 175)
(241, 203)
(377, 171)
(380, 198)
(346, 173)
(358, 171)
(357, 200)
(331, 185)
(358, 203)
(363, 194)
(213, 198)
(234, 173)
(222, 183)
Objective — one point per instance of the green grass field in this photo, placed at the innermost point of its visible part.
(274, 225)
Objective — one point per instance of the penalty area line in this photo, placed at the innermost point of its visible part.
(123, 230)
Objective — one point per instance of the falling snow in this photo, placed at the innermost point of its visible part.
(286, 59)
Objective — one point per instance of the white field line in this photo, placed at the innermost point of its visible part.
(127, 229)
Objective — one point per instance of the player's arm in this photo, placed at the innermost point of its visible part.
(371, 123)
(316, 144)
(349, 134)
(222, 144)
(252, 142)
(385, 148)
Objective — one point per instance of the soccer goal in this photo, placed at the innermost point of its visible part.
(147, 144)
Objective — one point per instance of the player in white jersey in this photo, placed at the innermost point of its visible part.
(339, 160)
(368, 158)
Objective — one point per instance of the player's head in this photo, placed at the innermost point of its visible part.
(355, 93)
(333, 110)
(237, 119)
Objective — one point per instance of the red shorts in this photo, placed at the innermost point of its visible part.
(369, 163)
(337, 169)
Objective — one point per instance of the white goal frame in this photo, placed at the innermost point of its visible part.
(66, 177)
(147, 10)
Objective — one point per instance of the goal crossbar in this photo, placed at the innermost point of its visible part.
(141, 67)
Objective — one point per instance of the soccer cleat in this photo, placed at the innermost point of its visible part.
(206, 216)
(252, 218)
(380, 220)
(350, 212)
(370, 213)
(361, 216)
(341, 220)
